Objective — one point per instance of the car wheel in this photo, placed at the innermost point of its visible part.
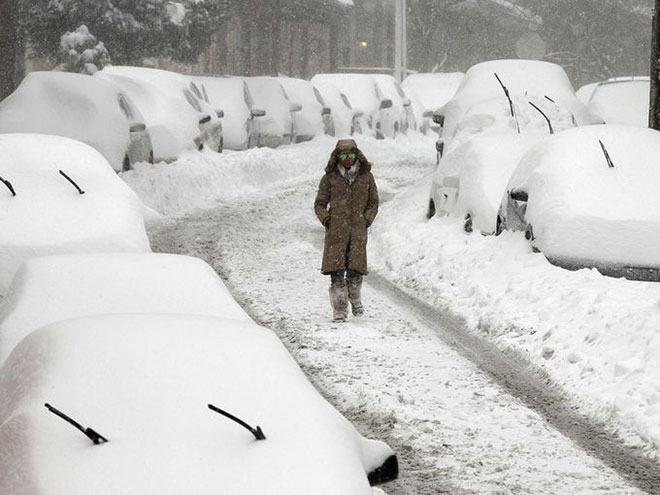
(126, 164)
(467, 226)
(499, 225)
(431, 209)
(529, 233)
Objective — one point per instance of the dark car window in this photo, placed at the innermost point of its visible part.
(192, 100)
(318, 96)
(247, 96)
(125, 107)
(196, 91)
(346, 101)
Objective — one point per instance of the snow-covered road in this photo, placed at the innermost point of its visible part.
(455, 428)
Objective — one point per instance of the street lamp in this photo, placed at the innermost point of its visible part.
(400, 40)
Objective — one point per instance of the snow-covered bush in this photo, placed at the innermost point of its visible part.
(81, 52)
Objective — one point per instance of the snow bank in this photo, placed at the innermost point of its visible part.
(144, 382)
(595, 336)
(71, 105)
(53, 288)
(49, 216)
(205, 180)
(583, 210)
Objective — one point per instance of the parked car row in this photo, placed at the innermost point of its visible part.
(519, 150)
(111, 354)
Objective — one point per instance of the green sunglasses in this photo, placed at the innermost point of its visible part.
(343, 156)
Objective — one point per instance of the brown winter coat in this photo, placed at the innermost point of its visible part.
(352, 209)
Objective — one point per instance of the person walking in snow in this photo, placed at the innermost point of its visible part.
(346, 204)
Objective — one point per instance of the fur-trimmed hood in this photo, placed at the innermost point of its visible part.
(346, 146)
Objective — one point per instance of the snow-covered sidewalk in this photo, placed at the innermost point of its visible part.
(455, 430)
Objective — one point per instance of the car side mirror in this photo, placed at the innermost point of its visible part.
(359, 113)
(428, 114)
(138, 127)
(385, 104)
(257, 112)
(295, 107)
(439, 119)
(205, 119)
(407, 102)
(220, 113)
(326, 111)
(521, 196)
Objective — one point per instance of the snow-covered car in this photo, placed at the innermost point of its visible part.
(315, 117)
(366, 96)
(347, 120)
(622, 100)
(276, 127)
(429, 92)
(587, 197)
(469, 182)
(48, 289)
(231, 96)
(391, 89)
(58, 195)
(82, 108)
(173, 404)
(497, 96)
(176, 114)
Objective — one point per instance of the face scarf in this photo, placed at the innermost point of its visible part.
(349, 173)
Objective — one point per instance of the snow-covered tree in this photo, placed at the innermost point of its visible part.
(130, 29)
(81, 52)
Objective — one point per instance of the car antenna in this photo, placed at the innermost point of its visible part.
(552, 131)
(258, 434)
(610, 163)
(508, 97)
(8, 186)
(91, 434)
(72, 182)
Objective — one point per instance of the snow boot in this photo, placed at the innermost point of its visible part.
(355, 295)
(339, 303)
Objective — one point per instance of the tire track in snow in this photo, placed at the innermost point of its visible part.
(454, 429)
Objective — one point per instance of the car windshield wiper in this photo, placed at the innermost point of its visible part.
(544, 116)
(72, 182)
(8, 186)
(258, 434)
(610, 163)
(89, 433)
(508, 97)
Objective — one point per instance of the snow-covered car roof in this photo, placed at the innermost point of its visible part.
(584, 211)
(71, 105)
(269, 95)
(342, 111)
(523, 79)
(309, 120)
(361, 89)
(622, 101)
(53, 288)
(232, 96)
(483, 167)
(172, 123)
(48, 215)
(144, 382)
